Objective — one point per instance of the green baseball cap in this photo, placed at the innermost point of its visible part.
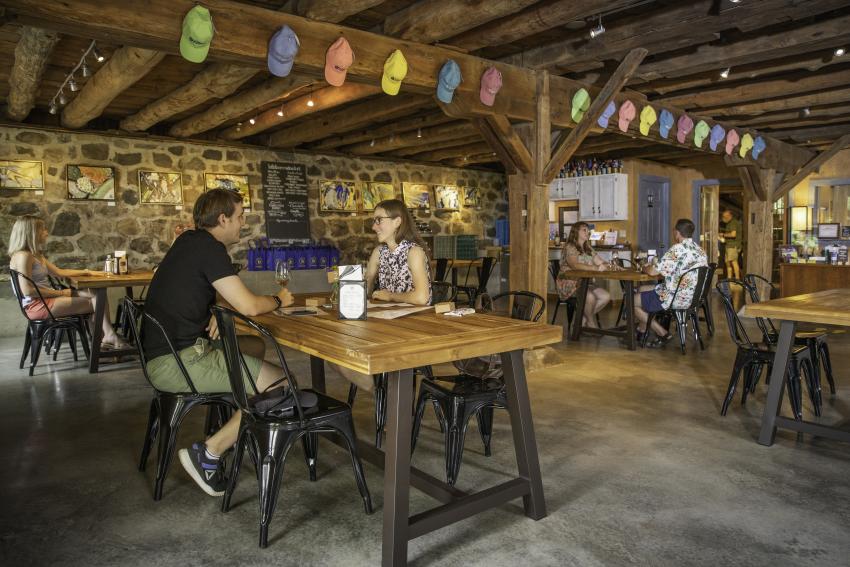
(581, 102)
(197, 35)
(701, 130)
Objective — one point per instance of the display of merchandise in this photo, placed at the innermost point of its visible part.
(591, 166)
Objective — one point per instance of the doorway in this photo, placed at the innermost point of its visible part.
(653, 213)
(710, 198)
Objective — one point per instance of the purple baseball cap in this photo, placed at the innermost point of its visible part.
(607, 114)
(283, 48)
(717, 135)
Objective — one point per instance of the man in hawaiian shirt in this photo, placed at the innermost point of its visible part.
(681, 257)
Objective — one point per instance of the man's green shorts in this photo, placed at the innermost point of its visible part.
(204, 361)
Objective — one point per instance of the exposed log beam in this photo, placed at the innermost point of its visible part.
(455, 129)
(394, 127)
(818, 133)
(751, 179)
(766, 120)
(323, 99)
(356, 116)
(216, 81)
(466, 161)
(569, 143)
(272, 90)
(428, 21)
(534, 19)
(475, 148)
(794, 102)
(508, 140)
(792, 180)
(332, 10)
(31, 54)
(436, 145)
(126, 66)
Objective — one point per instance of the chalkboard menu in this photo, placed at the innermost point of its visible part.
(285, 199)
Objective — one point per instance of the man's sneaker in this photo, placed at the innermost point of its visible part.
(208, 473)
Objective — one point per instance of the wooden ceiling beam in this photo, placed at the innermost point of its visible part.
(31, 54)
(276, 89)
(474, 148)
(332, 10)
(454, 129)
(216, 81)
(792, 180)
(819, 132)
(126, 66)
(465, 161)
(428, 21)
(435, 145)
(393, 127)
(749, 109)
(323, 99)
(500, 135)
(569, 143)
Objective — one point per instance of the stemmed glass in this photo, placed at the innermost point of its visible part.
(281, 273)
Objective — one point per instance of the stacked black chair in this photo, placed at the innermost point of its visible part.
(751, 358)
(473, 291)
(53, 339)
(40, 330)
(269, 438)
(457, 398)
(682, 315)
(442, 269)
(815, 340)
(168, 409)
(554, 269)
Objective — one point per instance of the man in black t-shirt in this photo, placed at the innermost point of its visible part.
(183, 289)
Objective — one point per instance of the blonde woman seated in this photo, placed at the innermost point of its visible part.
(29, 235)
(577, 254)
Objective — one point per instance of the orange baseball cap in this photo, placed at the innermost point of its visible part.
(337, 61)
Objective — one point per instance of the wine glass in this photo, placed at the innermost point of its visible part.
(281, 273)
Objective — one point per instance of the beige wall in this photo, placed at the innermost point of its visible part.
(837, 167)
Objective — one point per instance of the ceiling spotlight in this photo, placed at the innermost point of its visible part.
(238, 126)
(372, 143)
(280, 112)
(806, 111)
(252, 121)
(53, 108)
(465, 158)
(85, 69)
(72, 84)
(419, 132)
(839, 52)
(735, 1)
(62, 99)
(98, 56)
(598, 30)
(724, 74)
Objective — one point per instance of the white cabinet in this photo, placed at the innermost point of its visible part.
(603, 197)
(563, 189)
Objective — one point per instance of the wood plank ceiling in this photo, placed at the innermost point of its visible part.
(786, 76)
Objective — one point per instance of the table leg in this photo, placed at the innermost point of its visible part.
(97, 330)
(397, 468)
(777, 382)
(580, 299)
(522, 427)
(629, 300)
(317, 373)
(454, 276)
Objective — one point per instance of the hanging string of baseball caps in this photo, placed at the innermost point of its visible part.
(60, 99)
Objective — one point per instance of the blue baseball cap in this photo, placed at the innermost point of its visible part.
(717, 135)
(283, 48)
(607, 114)
(448, 81)
(665, 122)
(758, 147)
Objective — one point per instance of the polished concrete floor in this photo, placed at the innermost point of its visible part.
(638, 469)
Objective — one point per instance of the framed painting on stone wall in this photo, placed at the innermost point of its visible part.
(91, 183)
(238, 183)
(374, 193)
(21, 175)
(338, 196)
(417, 196)
(446, 198)
(160, 188)
(471, 197)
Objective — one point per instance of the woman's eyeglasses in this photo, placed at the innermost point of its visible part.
(379, 220)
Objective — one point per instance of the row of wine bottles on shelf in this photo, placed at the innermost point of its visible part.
(591, 166)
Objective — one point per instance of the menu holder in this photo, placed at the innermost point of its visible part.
(352, 293)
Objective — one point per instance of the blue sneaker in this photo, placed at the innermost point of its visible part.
(207, 473)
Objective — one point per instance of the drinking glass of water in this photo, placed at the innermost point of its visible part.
(281, 273)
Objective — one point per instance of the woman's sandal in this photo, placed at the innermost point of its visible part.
(659, 342)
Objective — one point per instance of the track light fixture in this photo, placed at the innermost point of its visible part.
(72, 84)
(53, 108)
(62, 99)
(840, 51)
(280, 111)
(252, 121)
(238, 126)
(86, 72)
(806, 111)
(598, 30)
(96, 54)
(372, 143)
(419, 132)
(724, 74)
(59, 99)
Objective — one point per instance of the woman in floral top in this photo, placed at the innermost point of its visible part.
(578, 255)
(682, 256)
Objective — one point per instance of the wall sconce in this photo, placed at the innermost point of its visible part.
(799, 219)
(650, 199)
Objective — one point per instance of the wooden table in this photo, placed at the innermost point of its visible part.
(629, 278)
(397, 347)
(99, 283)
(830, 307)
(795, 279)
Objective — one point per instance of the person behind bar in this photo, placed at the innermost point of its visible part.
(577, 254)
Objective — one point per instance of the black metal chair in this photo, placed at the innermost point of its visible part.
(50, 329)
(457, 398)
(168, 409)
(752, 357)
(681, 315)
(442, 292)
(815, 340)
(571, 303)
(268, 439)
(705, 303)
(473, 291)
(621, 314)
(442, 269)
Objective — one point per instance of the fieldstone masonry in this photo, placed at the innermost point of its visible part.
(83, 233)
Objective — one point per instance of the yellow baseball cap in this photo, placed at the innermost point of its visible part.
(746, 145)
(395, 70)
(647, 119)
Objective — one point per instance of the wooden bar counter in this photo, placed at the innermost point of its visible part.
(796, 279)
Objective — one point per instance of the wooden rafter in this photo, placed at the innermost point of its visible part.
(814, 164)
(31, 54)
(436, 144)
(451, 130)
(833, 96)
(394, 127)
(474, 148)
(569, 143)
(126, 66)
(332, 10)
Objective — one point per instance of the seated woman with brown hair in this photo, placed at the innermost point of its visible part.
(29, 235)
(577, 254)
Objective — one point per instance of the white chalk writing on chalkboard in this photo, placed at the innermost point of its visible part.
(285, 200)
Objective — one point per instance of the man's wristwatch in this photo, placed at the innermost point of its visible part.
(276, 300)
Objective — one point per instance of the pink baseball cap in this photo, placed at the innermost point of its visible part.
(491, 82)
(732, 139)
(627, 114)
(684, 127)
(337, 61)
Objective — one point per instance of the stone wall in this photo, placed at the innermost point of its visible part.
(82, 232)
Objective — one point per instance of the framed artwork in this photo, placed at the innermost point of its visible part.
(374, 193)
(160, 188)
(471, 197)
(21, 175)
(446, 197)
(91, 183)
(338, 195)
(417, 195)
(238, 183)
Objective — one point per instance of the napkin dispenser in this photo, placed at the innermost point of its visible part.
(120, 265)
(352, 292)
